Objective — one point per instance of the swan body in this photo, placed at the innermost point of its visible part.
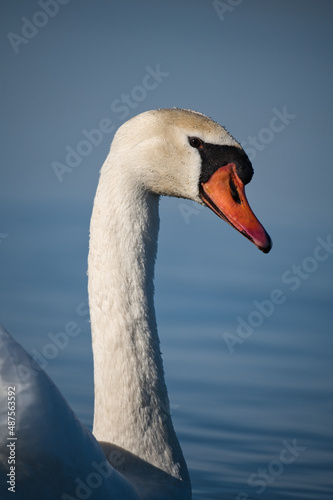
(133, 452)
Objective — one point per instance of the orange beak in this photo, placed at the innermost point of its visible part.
(224, 193)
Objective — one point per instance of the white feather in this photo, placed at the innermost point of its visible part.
(150, 156)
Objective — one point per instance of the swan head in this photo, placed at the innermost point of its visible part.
(183, 153)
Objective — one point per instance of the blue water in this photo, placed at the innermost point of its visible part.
(254, 414)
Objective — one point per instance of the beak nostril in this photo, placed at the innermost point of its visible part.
(234, 192)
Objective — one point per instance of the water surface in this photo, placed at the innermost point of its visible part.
(254, 416)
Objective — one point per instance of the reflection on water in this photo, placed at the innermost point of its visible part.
(254, 420)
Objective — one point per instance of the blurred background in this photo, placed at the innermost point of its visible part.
(72, 73)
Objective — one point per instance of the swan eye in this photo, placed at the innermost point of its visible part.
(195, 142)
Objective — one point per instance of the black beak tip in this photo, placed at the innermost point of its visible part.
(267, 248)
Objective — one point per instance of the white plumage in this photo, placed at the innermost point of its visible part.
(151, 155)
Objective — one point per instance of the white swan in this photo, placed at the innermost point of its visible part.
(164, 152)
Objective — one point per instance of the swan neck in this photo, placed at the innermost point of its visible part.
(131, 400)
